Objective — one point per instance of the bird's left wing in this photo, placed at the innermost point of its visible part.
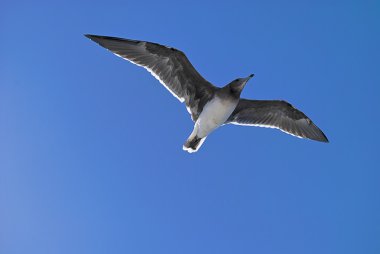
(169, 65)
(276, 114)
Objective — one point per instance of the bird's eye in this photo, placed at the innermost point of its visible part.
(236, 80)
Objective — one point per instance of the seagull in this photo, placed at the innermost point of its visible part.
(209, 106)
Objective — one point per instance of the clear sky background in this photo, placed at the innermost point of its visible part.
(86, 166)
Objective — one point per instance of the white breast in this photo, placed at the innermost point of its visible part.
(214, 114)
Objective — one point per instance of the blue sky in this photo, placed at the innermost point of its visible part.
(85, 167)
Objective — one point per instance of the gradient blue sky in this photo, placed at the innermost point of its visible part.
(86, 167)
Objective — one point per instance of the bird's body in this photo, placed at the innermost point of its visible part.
(209, 106)
(214, 114)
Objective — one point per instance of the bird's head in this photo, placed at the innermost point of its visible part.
(238, 84)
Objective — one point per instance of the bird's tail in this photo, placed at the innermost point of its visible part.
(193, 143)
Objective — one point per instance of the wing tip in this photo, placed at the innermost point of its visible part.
(95, 38)
(320, 136)
(98, 38)
(324, 139)
(92, 36)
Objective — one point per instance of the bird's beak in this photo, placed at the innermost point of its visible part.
(248, 78)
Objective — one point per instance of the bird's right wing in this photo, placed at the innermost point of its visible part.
(276, 114)
(169, 65)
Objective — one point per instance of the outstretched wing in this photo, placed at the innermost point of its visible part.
(276, 114)
(169, 65)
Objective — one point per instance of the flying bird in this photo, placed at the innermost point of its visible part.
(208, 105)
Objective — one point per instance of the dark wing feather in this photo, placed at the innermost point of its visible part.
(169, 65)
(276, 114)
